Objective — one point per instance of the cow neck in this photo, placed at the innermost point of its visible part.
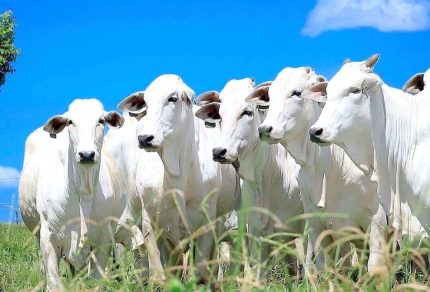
(180, 156)
(252, 162)
(313, 159)
(83, 178)
(394, 135)
(305, 152)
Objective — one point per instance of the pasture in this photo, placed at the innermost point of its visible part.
(20, 271)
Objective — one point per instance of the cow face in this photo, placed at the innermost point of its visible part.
(286, 117)
(163, 108)
(345, 119)
(85, 123)
(238, 119)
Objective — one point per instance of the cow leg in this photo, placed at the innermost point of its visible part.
(316, 227)
(377, 245)
(51, 258)
(152, 248)
(203, 252)
(99, 258)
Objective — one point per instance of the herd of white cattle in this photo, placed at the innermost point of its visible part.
(173, 163)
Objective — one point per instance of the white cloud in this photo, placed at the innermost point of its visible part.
(383, 15)
(8, 177)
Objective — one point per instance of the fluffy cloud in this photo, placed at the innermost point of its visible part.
(9, 177)
(383, 15)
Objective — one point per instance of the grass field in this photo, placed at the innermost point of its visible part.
(20, 271)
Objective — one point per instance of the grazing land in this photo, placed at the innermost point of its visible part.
(20, 270)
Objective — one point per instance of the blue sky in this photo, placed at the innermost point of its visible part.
(109, 49)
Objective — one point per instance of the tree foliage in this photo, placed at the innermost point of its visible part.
(8, 52)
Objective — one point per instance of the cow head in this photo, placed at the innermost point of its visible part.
(85, 123)
(286, 116)
(164, 106)
(238, 119)
(345, 119)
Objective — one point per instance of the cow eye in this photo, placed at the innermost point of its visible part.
(102, 121)
(296, 93)
(172, 99)
(247, 113)
(69, 122)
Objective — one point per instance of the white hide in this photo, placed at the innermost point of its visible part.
(395, 124)
(328, 180)
(168, 127)
(141, 175)
(267, 170)
(71, 199)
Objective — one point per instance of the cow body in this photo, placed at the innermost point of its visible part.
(268, 172)
(359, 102)
(192, 182)
(141, 176)
(70, 190)
(328, 180)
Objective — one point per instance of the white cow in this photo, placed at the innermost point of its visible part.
(267, 170)
(69, 189)
(207, 190)
(329, 181)
(142, 179)
(364, 113)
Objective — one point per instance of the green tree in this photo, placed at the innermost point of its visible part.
(8, 52)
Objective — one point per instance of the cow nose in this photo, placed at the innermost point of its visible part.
(264, 130)
(219, 153)
(87, 156)
(315, 134)
(145, 140)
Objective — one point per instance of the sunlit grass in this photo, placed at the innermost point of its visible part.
(20, 267)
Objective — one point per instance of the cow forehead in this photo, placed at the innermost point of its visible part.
(163, 86)
(288, 80)
(234, 94)
(85, 109)
(350, 75)
(236, 87)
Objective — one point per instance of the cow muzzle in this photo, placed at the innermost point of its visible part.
(315, 136)
(147, 142)
(87, 157)
(218, 154)
(223, 155)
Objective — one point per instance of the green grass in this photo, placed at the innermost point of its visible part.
(20, 271)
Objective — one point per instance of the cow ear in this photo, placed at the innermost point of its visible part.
(260, 95)
(187, 94)
(321, 78)
(209, 112)
(207, 97)
(415, 84)
(55, 125)
(134, 103)
(114, 120)
(371, 61)
(370, 85)
(317, 92)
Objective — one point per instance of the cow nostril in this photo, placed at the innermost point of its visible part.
(219, 152)
(318, 132)
(87, 155)
(265, 130)
(145, 139)
(149, 138)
